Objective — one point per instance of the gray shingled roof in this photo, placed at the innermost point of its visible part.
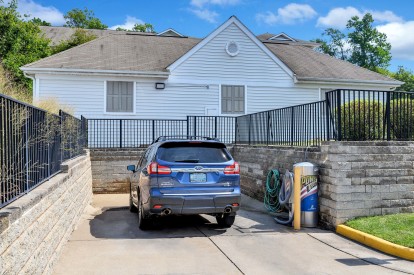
(140, 52)
(129, 52)
(307, 63)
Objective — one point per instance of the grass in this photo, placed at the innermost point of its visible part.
(396, 228)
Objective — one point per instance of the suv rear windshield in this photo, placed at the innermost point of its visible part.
(194, 152)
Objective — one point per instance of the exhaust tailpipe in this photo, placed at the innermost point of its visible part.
(166, 211)
(227, 210)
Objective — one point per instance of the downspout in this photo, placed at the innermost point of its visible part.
(34, 85)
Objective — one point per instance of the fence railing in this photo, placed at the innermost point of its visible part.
(371, 115)
(33, 144)
(130, 133)
(344, 115)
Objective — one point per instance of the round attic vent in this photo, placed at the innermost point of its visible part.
(232, 48)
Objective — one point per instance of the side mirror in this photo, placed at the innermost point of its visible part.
(145, 171)
(131, 168)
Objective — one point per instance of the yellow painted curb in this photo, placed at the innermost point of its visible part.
(375, 242)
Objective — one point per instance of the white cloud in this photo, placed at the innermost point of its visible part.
(206, 14)
(338, 17)
(201, 10)
(400, 35)
(289, 14)
(201, 3)
(33, 9)
(129, 23)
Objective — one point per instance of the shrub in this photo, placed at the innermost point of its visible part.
(402, 118)
(362, 120)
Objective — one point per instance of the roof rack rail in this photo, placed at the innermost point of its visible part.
(164, 138)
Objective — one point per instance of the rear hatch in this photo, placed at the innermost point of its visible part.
(196, 168)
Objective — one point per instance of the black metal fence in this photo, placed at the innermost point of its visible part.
(371, 115)
(33, 144)
(344, 115)
(301, 125)
(130, 133)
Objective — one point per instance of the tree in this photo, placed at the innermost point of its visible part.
(21, 43)
(139, 28)
(406, 76)
(335, 46)
(84, 19)
(370, 48)
(40, 22)
(79, 37)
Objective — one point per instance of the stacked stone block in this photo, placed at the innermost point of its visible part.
(35, 227)
(109, 169)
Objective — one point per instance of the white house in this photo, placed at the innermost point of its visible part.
(230, 72)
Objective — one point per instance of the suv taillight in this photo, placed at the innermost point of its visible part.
(232, 169)
(156, 169)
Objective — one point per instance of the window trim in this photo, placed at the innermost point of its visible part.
(134, 91)
(245, 98)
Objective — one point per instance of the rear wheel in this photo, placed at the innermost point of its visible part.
(143, 222)
(225, 220)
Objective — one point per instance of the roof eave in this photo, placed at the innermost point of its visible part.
(318, 80)
(61, 71)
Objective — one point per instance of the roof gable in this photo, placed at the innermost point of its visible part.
(215, 33)
(282, 37)
(170, 32)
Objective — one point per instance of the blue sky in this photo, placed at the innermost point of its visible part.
(299, 19)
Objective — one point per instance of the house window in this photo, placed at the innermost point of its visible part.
(119, 96)
(232, 99)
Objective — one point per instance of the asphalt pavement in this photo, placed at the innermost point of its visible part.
(108, 241)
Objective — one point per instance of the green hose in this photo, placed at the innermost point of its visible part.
(271, 198)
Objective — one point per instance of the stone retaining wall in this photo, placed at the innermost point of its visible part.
(34, 228)
(109, 169)
(356, 178)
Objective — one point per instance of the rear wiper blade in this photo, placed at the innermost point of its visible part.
(188, 160)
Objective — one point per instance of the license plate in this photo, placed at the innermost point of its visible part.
(198, 177)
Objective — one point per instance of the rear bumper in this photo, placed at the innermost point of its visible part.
(195, 204)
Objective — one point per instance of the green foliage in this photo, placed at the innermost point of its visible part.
(362, 120)
(368, 47)
(79, 37)
(406, 76)
(402, 117)
(40, 22)
(335, 46)
(20, 43)
(149, 28)
(84, 19)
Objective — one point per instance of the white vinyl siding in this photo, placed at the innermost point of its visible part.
(251, 65)
(119, 96)
(81, 96)
(232, 99)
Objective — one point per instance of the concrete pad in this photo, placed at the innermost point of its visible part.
(108, 241)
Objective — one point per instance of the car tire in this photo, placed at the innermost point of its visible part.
(143, 222)
(225, 220)
(132, 207)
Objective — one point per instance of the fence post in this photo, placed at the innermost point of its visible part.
(328, 116)
(195, 126)
(120, 133)
(235, 130)
(268, 128)
(388, 115)
(215, 127)
(188, 127)
(60, 137)
(250, 124)
(153, 130)
(339, 118)
(27, 147)
(292, 125)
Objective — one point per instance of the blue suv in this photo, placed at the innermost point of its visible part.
(183, 177)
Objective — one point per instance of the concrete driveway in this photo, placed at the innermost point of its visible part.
(108, 241)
